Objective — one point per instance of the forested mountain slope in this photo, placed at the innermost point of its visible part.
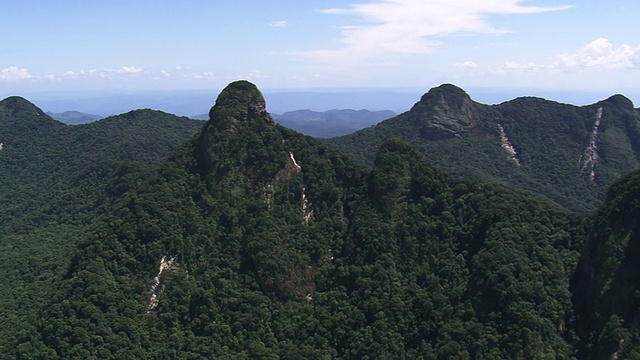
(254, 241)
(606, 285)
(568, 154)
(53, 181)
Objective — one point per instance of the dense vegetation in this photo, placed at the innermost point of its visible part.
(552, 142)
(607, 281)
(273, 245)
(52, 186)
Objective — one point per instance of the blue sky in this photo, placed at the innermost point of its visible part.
(91, 45)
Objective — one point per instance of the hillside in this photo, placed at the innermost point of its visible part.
(607, 280)
(568, 154)
(255, 241)
(246, 239)
(53, 182)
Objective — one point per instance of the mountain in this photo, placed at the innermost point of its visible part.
(569, 154)
(74, 117)
(255, 241)
(53, 184)
(330, 123)
(606, 283)
(246, 239)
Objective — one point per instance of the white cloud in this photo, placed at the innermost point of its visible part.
(130, 70)
(601, 53)
(279, 23)
(514, 65)
(124, 70)
(80, 74)
(598, 54)
(13, 73)
(467, 64)
(205, 75)
(403, 27)
(255, 75)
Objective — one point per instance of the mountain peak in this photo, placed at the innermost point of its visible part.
(16, 104)
(240, 128)
(240, 101)
(448, 91)
(620, 101)
(443, 112)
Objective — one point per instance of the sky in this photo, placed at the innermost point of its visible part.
(98, 45)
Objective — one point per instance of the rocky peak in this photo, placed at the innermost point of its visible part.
(448, 94)
(240, 103)
(241, 136)
(443, 112)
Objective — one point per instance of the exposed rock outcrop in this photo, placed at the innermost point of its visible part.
(507, 146)
(591, 152)
(156, 287)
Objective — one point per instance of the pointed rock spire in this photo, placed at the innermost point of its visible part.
(238, 104)
(445, 111)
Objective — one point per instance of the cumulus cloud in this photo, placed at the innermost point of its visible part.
(124, 70)
(80, 74)
(514, 65)
(404, 27)
(279, 23)
(467, 64)
(130, 70)
(255, 75)
(13, 73)
(205, 75)
(601, 53)
(598, 54)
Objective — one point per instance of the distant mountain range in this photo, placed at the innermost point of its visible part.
(325, 124)
(330, 123)
(74, 117)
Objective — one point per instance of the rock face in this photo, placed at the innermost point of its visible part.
(239, 103)
(444, 112)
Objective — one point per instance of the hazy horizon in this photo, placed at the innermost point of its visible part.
(198, 101)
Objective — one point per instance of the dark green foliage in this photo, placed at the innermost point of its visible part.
(285, 249)
(551, 140)
(272, 245)
(53, 181)
(607, 281)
